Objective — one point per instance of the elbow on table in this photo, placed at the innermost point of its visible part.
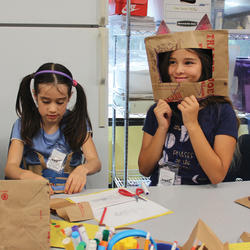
(217, 179)
(143, 170)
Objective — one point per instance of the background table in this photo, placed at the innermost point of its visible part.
(214, 204)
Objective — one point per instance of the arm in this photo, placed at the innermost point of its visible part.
(12, 168)
(151, 149)
(77, 179)
(214, 161)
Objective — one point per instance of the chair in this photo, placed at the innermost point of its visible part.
(239, 169)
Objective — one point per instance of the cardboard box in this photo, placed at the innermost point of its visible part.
(137, 8)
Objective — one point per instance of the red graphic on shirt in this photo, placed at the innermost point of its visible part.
(4, 196)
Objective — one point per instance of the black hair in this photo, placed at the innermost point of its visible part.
(74, 123)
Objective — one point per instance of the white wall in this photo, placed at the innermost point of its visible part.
(24, 48)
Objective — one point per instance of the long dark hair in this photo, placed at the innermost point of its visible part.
(74, 123)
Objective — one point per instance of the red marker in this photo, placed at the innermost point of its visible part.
(103, 214)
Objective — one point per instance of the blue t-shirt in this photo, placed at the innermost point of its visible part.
(216, 119)
(44, 144)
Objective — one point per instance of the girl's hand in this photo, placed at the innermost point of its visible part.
(163, 114)
(51, 191)
(76, 180)
(189, 108)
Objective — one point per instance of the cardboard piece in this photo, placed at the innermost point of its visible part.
(202, 233)
(245, 237)
(204, 23)
(163, 28)
(71, 211)
(24, 214)
(244, 201)
(56, 203)
(215, 40)
(137, 7)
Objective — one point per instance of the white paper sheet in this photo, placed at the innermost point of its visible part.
(121, 210)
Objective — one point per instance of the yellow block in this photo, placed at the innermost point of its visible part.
(127, 243)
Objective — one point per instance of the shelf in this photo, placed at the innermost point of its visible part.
(239, 34)
(134, 178)
(138, 104)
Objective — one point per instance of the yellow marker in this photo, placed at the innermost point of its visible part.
(127, 243)
(68, 244)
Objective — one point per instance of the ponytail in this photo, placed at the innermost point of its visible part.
(77, 121)
(27, 111)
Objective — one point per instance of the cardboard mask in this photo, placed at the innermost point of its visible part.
(214, 41)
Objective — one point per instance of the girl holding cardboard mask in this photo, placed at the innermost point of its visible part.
(192, 140)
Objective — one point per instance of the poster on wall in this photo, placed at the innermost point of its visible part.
(184, 15)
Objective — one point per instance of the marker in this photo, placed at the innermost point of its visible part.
(104, 242)
(146, 245)
(105, 235)
(98, 234)
(111, 232)
(67, 231)
(103, 214)
(75, 229)
(92, 245)
(83, 234)
(144, 187)
(81, 246)
(174, 245)
(68, 244)
(75, 236)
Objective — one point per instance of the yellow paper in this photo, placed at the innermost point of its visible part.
(239, 246)
(56, 236)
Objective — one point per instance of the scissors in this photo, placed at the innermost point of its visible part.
(137, 194)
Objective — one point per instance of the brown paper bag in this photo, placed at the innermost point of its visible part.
(202, 233)
(24, 215)
(71, 211)
(215, 40)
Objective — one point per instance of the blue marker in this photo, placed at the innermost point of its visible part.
(75, 238)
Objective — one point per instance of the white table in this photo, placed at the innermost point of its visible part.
(214, 204)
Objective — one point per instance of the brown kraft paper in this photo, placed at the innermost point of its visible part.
(24, 215)
(216, 40)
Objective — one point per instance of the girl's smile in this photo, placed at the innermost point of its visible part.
(184, 66)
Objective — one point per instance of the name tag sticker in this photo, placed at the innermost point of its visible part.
(56, 161)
